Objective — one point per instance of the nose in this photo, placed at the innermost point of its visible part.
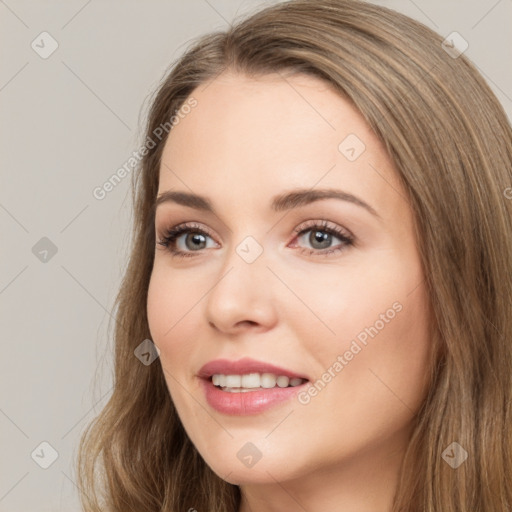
(242, 296)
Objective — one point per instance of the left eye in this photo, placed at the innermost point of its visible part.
(321, 238)
(321, 235)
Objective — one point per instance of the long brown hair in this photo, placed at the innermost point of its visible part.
(451, 144)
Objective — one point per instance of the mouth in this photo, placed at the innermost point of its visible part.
(248, 386)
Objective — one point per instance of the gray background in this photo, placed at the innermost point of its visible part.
(68, 123)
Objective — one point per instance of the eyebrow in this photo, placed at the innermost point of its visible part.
(282, 202)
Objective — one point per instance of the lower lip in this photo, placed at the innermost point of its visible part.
(250, 402)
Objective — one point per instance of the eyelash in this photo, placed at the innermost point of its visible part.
(170, 236)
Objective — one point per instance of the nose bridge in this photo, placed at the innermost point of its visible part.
(242, 291)
(245, 250)
(244, 268)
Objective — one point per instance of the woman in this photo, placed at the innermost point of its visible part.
(317, 310)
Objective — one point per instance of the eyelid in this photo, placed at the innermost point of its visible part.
(324, 224)
(192, 226)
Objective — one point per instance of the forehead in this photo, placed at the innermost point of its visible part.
(270, 133)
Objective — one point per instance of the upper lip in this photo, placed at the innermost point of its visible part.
(242, 367)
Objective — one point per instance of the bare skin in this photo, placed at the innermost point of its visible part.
(296, 305)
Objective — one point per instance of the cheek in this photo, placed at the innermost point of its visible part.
(379, 383)
(170, 310)
(376, 317)
(342, 302)
(385, 356)
(159, 308)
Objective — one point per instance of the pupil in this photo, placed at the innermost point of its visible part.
(197, 238)
(322, 238)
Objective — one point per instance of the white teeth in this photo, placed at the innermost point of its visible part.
(233, 381)
(283, 381)
(242, 383)
(251, 380)
(268, 380)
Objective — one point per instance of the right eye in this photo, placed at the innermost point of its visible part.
(198, 236)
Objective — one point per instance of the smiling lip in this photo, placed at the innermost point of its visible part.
(250, 402)
(243, 366)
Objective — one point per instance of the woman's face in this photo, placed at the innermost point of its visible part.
(325, 289)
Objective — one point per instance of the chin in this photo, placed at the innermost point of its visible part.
(262, 472)
(250, 476)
